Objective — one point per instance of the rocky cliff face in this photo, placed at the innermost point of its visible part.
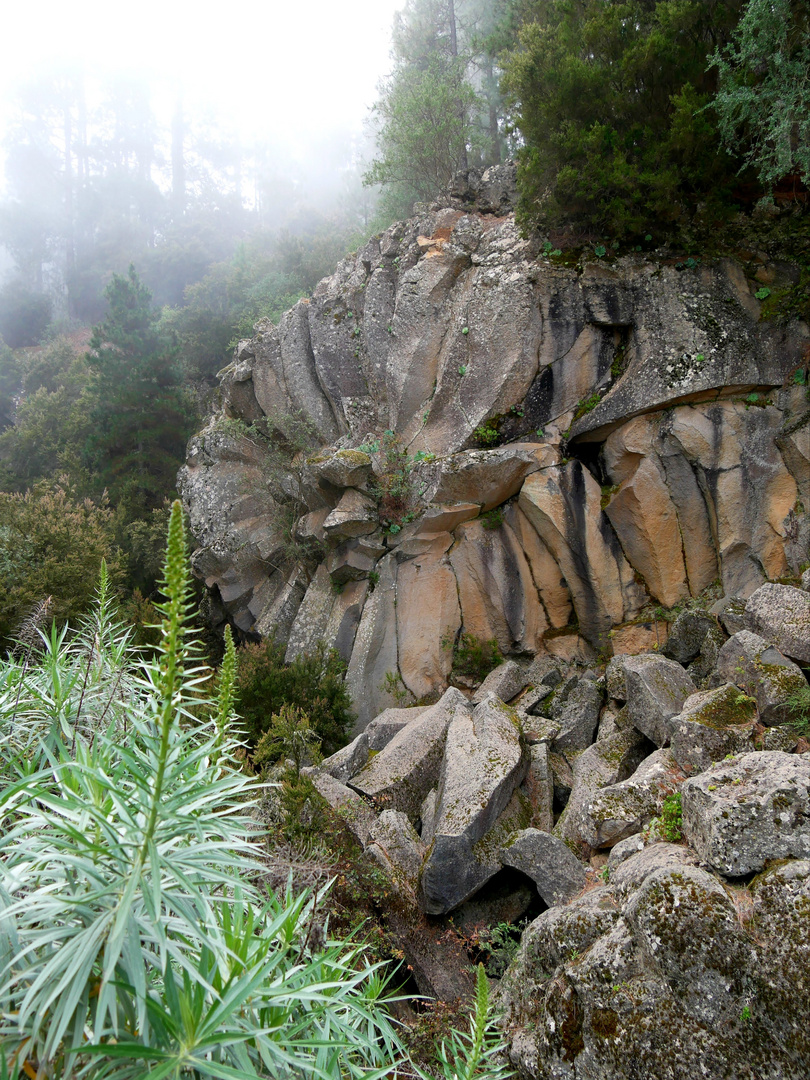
(508, 443)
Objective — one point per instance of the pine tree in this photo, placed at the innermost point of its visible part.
(143, 416)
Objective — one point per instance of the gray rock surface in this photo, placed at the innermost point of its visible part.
(505, 681)
(659, 977)
(686, 636)
(396, 846)
(578, 716)
(606, 762)
(558, 874)
(755, 666)
(656, 690)
(484, 762)
(712, 724)
(781, 615)
(538, 787)
(620, 810)
(740, 814)
(403, 772)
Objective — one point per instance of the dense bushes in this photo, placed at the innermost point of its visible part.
(51, 544)
(313, 683)
(610, 100)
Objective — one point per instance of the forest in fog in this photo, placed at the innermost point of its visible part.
(141, 235)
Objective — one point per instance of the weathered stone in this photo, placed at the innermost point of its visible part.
(781, 898)
(563, 505)
(562, 776)
(403, 772)
(538, 787)
(344, 618)
(806, 580)
(606, 762)
(349, 760)
(649, 859)
(739, 814)
(490, 477)
(505, 681)
(686, 636)
(384, 727)
(346, 469)
(483, 764)
(551, 585)
(312, 616)
(355, 515)
(751, 663)
(660, 971)
(578, 716)
(702, 668)
(427, 815)
(643, 514)
(615, 680)
(558, 874)
(496, 589)
(356, 812)
(427, 613)
(348, 562)
(530, 703)
(374, 653)
(781, 615)
(656, 690)
(730, 610)
(624, 850)
(638, 637)
(397, 848)
(711, 725)
(538, 729)
(620, 810)
(700, 978)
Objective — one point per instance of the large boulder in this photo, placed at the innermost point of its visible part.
(660, 975)
(620, 810)
(403, 772)
(557, 873)
(739, 815)
(713, 724)
(781, 615)
(484, 762)
(605, 763)
(755, 666)
(656, 689)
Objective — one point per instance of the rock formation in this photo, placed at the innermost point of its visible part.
(657, 951)
(501, 442)
(467, 437)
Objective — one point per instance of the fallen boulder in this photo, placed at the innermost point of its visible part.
(740, 814)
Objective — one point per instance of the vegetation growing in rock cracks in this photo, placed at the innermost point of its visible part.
(313, 683)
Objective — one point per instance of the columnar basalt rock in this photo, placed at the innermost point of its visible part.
(569, 443)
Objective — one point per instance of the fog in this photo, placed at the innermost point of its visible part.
(288, 73)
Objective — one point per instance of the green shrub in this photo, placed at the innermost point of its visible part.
(313, 683)
(51, 544)
(799, 702)
(133, 939)
(671, 819)
(476, 658)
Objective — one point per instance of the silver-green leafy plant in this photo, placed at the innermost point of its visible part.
(135, 936)
(479, 1054)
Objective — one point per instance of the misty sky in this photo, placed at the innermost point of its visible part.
(281, 69)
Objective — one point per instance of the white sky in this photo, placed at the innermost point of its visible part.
(294, 69)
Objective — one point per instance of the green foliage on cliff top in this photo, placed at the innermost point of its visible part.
(609, 98)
